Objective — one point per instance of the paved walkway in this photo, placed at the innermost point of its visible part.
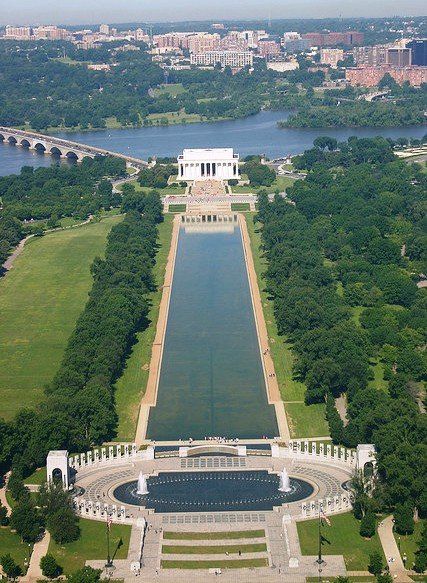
(273, 390)
(40, 549)
(150, 397)
(3, 498)
(391, 551)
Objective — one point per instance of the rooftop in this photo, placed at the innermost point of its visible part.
(208, 154)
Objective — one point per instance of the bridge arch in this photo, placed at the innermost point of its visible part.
(12, 140)
(25, 143)
(39, 147)
(71, 155)
(55, 151)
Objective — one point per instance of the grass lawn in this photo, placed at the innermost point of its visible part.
(173, 117)
(91, 545)
(40, 300)
(281, 183)
(172, 535)
(409, 543)
(361, 579)
(240, 206)
(307, 420)
(304, 421)
(131, 385)
(10, 542)
(213, 549)
(378, 381)
(177, 208)
(344, 537)
(212, 564)
(173, 89)
(37, 477)
(178, 190)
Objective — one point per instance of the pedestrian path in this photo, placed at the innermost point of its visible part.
(391, 551)
(40, 549)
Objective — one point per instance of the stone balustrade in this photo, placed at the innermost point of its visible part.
(112, 453)
(334, 504)
(100, 511)
(312, 450)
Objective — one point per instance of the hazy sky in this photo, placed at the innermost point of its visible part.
(95, 11)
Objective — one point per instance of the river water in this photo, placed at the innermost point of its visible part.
(257, 134)
(211, 378)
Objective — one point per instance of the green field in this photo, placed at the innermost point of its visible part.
(40, 300)
(409, 543)
(172, 89)
(213, 549)
(91, 545)
(11, 543)
(177, 208)
(343, 534)
(212, 564)
(281, 183)
(240, 206)
(37, 477)
(304, 421)
(131, 385)
(232, 534)
(178, 190)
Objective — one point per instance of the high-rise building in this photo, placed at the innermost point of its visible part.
(268, 47)
(331, 57)
(19, 32)
(371, 76)
(348, 38)
(203, 42)
(373, 56)
(51, 33)
(398, 57)
(233, 59)
(104, 29)
(419, 51)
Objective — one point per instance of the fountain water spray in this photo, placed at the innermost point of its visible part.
(285, 483)
(142, 485)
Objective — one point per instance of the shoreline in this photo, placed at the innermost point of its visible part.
(149, 398)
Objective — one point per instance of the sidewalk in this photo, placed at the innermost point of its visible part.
(40, 549)
(391, 551)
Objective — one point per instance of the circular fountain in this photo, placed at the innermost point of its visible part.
(213, 491)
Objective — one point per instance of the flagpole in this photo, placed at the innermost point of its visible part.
(319, 558)
(108, 544)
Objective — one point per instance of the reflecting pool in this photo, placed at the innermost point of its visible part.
(211, 378)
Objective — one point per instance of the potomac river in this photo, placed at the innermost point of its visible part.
(252, 135)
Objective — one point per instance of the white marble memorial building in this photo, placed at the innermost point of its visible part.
(208, 164)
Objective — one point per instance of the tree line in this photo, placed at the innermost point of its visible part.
(342, 270)
(52, 193)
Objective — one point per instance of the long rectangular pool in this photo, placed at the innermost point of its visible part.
(211, 378)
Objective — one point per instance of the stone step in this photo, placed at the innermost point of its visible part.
(212, 557)
(216, 542)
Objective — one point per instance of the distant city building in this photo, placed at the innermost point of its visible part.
(296, 46)
(372, 56)
(419, 52)
(203, 42)
(398, 57)
(208, 164)
(51, 33)
(331, 57)
(283, 66)
(371, 76)
(318, 39)
(268, 47)
(99, 67)
(104, 29)
(19, 32)
(233, 59)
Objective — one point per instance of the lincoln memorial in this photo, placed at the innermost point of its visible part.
(208, 164)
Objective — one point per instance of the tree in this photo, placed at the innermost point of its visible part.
(4, 520)
(50, 567)
(10, 568)
(368, 525)
(26, 520)
(259, 174)
(404, 518)
(375, 565)
(63, 525)
(85, 575)
(384, 578)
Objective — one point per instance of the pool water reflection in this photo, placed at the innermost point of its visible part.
(213, 491)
